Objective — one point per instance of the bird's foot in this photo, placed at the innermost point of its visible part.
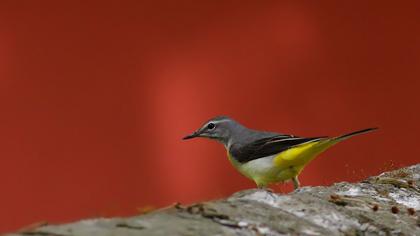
(296, 183)
(266, 189)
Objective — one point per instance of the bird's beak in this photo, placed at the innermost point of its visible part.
(193, 135)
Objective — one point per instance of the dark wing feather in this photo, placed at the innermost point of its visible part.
(266, 147)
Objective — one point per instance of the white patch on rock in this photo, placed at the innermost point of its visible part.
(88, 222)
(263, 230)
(365, 191)
(310, 232)
(332, 220)
(243, 224)
(354, 191)
(92, 222)
(406, 199)
(266, 198)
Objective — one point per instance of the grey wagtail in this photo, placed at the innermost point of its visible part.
(266, 157)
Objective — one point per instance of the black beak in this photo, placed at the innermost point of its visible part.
(193, 135)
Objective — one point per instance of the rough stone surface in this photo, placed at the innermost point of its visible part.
(388, 204)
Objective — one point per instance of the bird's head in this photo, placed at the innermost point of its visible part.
(220, 128)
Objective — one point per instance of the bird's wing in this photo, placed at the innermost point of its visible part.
(266, 147)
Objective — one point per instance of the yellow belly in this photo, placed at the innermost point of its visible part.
(282, 166)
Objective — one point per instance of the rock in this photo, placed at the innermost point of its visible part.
(388, 204)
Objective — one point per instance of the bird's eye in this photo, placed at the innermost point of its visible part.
(211, 126)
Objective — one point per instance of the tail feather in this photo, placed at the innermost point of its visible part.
(346, 136)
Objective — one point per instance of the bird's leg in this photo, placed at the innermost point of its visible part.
(264, 187)
(296, 183)
(269, 191)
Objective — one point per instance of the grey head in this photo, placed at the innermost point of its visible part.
(220, 128)
(228, 131)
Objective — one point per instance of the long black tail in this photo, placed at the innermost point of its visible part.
(346, 136)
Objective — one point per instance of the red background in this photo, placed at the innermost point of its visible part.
(95, 97)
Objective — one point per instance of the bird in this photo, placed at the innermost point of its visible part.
(267, 157)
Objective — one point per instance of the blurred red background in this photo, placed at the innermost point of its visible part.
(95, 97)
